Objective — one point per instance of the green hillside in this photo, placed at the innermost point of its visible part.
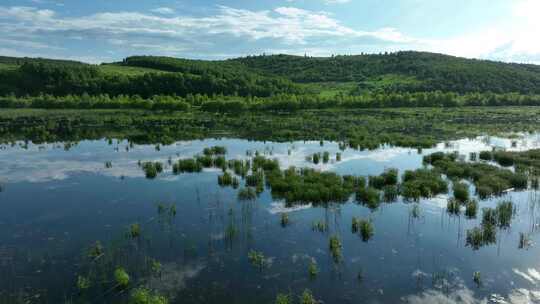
(416, 71)
(265, 76)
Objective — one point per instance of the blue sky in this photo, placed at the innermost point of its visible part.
(99, 30)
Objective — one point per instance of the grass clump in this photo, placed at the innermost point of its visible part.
(284, 220)
(313, 270)
(282, 298)
(135, 230)
(225, 179)
(369, 197)
(335, 248)
(188, 165)
(215, 150)
(83, 283)
(121, 278)
(143, 295)
(366, 230)
(152, 169)
(257, 259)
(247, 194)
(319, 226)
(471, 208)
(422, 183)
(453, 206)
(461, 192)
(307, 297)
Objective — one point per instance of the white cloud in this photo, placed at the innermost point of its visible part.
(290, 28)
(163, 10)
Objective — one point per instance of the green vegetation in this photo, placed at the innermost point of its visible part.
(144, 296)
(152, 169)
(319, 226)
(283, 299)
(477, 278)
(471, 208)
(369, 197)
(134, 230)
(453, 207)
(307, 297)
(257, 259)
(335, 248)
(461, 192)
(247, 194)
(284, 219)
(489, 180)
(121, 278)
(358, 129)
(187, 165)
(83, 283)
(422, 183)
(313, 270)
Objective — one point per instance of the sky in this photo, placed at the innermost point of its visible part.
(108, 30)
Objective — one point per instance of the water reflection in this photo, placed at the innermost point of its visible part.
(56, 203)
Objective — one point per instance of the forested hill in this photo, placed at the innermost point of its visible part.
(264, 76)
(404, 71)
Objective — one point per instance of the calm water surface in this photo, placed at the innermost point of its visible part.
(55, 203)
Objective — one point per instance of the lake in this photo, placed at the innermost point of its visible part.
(58, 199)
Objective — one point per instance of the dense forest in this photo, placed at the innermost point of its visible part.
(276, 82)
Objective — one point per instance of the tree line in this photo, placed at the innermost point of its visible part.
(280, 102)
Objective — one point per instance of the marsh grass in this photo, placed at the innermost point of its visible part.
(335, 248)
(247, 194)
(257, 259)
(461, 192)
(471, 209)
(319, 226)
(453, 206)
(313, 270)
(524, 241)
(121, 278)
(369, 196)
(152, 169)
(285, 219)
(187, 165)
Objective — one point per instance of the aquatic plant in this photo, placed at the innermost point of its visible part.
(225, 179)
(453, 206)
(108, 164)
(471, 208)
(284, 219)
(83, 283)
(524, 241)
(488, 179)
(121, 278)
(477, 278)
(187, 165)
(316, 158)
(461, 192)
(504, 211)
(96, 250)
(481, 236)
(422, 183)
(366, 229)
(257, 258)
(355, 225)
(155, 267)
(215, 150)
(326, 157)
(486, 155)
(390, 193)
(369, 197)
(313, 270)
(338, 157)
(152, 169)
(282, 298)
(415, 211)
(135, 230)
(246, 194)
(143, 295)
(473, 156)
(335, 248)
(320, 226)
(235, 183)
(307, 297)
